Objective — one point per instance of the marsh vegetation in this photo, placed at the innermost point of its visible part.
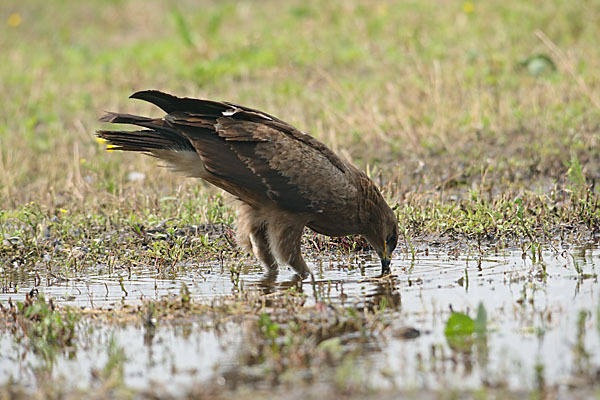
(479, 120)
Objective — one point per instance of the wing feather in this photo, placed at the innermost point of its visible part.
(248, 151)
(296, 175)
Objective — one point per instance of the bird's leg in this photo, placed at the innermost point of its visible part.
(299, 265)
(283, 234)
(252, 237)
(260, 248)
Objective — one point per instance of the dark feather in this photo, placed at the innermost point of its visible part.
(144, 140)
(171, 104)
(226, 137)
(286, 178)
(208, 108)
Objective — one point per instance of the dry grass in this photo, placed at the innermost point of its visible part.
(419, 94)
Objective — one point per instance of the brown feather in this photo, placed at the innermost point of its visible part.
(284, 178)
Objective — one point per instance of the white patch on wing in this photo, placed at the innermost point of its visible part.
(261, 115)
(184, 161)
(235, 110)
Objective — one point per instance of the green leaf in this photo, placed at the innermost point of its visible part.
(269, 329)
(480, 323)
(459, 324)
(520, 208)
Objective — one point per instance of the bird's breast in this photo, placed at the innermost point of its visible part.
(335, 224)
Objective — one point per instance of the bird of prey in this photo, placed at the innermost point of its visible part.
(282, 178)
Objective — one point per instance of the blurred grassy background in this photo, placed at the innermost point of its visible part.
(426, 95)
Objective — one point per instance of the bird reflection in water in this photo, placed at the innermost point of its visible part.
(380, 292)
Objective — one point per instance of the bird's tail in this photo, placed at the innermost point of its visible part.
(157, 136)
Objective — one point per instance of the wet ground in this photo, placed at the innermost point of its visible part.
(542, 330)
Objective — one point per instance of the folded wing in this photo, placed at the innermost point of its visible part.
(253, 155)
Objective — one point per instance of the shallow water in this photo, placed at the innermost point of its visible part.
(532, 318)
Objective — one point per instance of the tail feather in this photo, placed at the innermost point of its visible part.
(120, 118)
(158, 135)
(143, 141)
(159, 140)
(145, 122)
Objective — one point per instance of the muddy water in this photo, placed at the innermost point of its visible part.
(533, 308)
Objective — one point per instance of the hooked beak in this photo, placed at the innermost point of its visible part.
(386, 260)
(385, 266)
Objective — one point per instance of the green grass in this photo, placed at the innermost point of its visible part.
(47, 331)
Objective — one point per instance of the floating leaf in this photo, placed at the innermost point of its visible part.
(459, 324)
(459, 331)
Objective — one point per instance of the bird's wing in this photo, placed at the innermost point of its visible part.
(259, 152)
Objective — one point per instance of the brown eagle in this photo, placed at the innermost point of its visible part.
(283, 178)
